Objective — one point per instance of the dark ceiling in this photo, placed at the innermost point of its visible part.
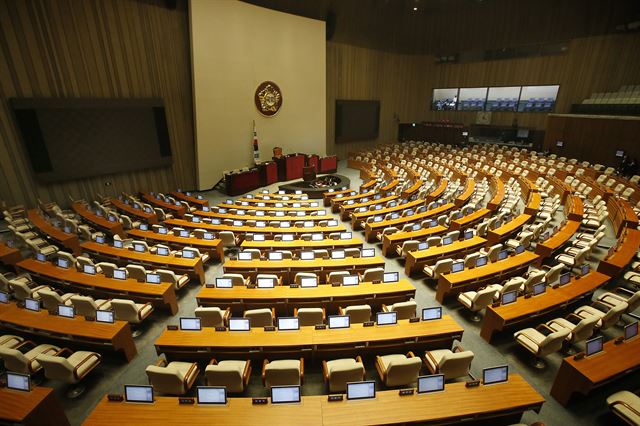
(444, 27)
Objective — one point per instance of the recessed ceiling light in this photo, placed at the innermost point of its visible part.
(415, 8)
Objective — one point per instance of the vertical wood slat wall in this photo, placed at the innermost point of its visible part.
(404, 83)
(94, 49)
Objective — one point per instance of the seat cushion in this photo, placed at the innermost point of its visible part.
(530, 338)
(585, 311)
(393, 358)
(77, 357)
(629, 399)
(466, 298)
(342, 365)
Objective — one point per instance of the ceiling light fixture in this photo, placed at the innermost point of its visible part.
(415, 9)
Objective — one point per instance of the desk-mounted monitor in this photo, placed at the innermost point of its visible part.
(337, 254)
(481, 261)
(89, 269)
(539, 288)
(429, 314)
(446, 241)
(509, 297)
(62, 263)
(287, 237)
(565, 278)
(243, 255)
(431, 383)
(208, 236)
(136, 393)
(332, 223)
(275, 255)
(40, 257)
(584, 270)
(4, 297)
(307, 255)
(350, 280)
(457, 267)
(285, 224)
(520, 249)
(390, 277)
(339, 321)
(594, 346)
(361, 390)
(346, 235)
(144, 227)
(468, 235)
(239, 324)
(423, 245)
(368, 252)
(105, 316)
(631, 330)
(386, 318)
(212, 395)
(317, 237)
(32, 304)
(261, 224)
(285, 394)
(17, 381)
(224, 283)
(153, 278)
(100, 239)
(495, 375)
(503, 254)
(309, 282)
(163, 231)
(120, 274)
(288, 323)
(266, 282)
(162, 251)
(190, 324)
(140, 248)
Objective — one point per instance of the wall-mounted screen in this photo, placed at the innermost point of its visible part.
(444, 99)
(538, 98)
(357, 120)
(503, 98)
(472, 99)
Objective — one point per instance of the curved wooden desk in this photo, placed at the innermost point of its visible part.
(510, 228)
(99, 222)
(39, 407)
(214, 247)
(298, 244)
(178, 211)
(268, 230)
(371, 229)
(391, 241)
(189, 199)
(150, 218)
(9, 255)
(358, 217)
(70, 241)
(417, 260)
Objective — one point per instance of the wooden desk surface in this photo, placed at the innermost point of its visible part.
(454, 404)
(439, 190)
(189, 199)
(498, 194)
(150, 218)
(494, 236)
(298, 244)
(77, 329)
(37, 407)
(128, 288)
(296, 264)
(347, 209)
(243, 217)
(624, 254)
(582, 376)
(533, 204)
(237, 412)
(475, 277)
(170, 208)
(416, 260)
(557, 240)
(469, 188)
(497, 319)
(245, 229)
(372, 228)
(213, 247)
(70, 241)
(470, 219)
(308, 339)
(286, 203)
(270, 209)
(390, 241)
(357, 216)
(102, 223)
(9, 255)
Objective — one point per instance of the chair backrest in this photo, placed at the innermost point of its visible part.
(20, 289)
(405, 310)
(584, 329)
(228, 238)
(336, 276)
(410, 245)
(210, 316)
(310, 316)
(493, 251)
(125, 310)
(358, 313)
(84, 306)
(552, 343)
(166, 379)
(167, 276)
(553, 274)
(344, 371)
(225, 374)
(259, 317)
(50, 299)
(282, 372)
(67, 256)
(442, 266)
(14, 360)
(455, 364)
(403, 371)
(300, 275)
(57, 368)
(534, 278)
(613, 315)
(137, 272)
(470, 260)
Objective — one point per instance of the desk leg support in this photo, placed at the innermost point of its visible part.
(490, 324)
(123, 341)
(567, 382)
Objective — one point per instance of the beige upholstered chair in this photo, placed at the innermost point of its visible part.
(21, 290)
(541, 341)
(86, 306)
(282, 372)
(71, 369)
(212, 316)
(337, 276)
(607, 315)
(107, 268)
(620, 296)
(398, 369)
(452, 363)
(174, 378)
(228, 238)
(405, 310)
(580, 329)
(277, 280)
(255, 253)
(372, 274)
(137, 272)
(25, 362)
(442, 266)
(234, 375)
(338, 372)
(260, 317)
(357, 313)
(237, 279)
(51, 299)
(310, 316)
(625, 405)
(10, 341)
(133, 313)
(476, 301)
(406, 247)
(300, 275)
(167, 276)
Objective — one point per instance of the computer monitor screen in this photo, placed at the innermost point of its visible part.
(258, 237)
(390, 277)
(163, 230)
(444, 99)
(368, 252)
(584, 270)
(243, 255)
(349, 202)
(337, 254)
(350, 280)
(153, 278)
(345, 235)
(41, 257)
(260, 213)
(196, 219)
(631, 330)
(4, 297)
(119, 274)
(339, 321)
(619, 153)
(481, 261)
(275, 255)
(63, 263)
(237, 223)
(191, 324)
(100, 239)
(266, 282)
(239, 324)
(544, 236)
(594, 345)
(162, 251)
(317, 237)
(89, 269)
(457, 267)
(66, 311)
(434, 313)
(224, 283)
(244, 203)
(434, 223)
(144, 227)
(296, 205)
(278, 205)
(32, 304)
(112, 218)
(509, 297)
(139, 248)
(332, 223)
(378, 219)
(361, 390)
(447, 241)
(432, 383)
(416, 227)
(185, 234)
(105, 316)
(503, 255)
(285, 394)
(215, 221)
(285, 224)
(261, 224)
(495, 374)
(288, 323)
(279, 214)
(394, 215)
(423, 245)
(17, 381)
(468, 235)
(287, 237)
(565, 278)
(206, 209)
(308, 224)
(539, 288)
(306, 255)
(519, 249)
(386, 318)
(135, 393)
(211, 395)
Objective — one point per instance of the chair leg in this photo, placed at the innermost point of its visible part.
(75, 391)
(538, 363)
(475, 316)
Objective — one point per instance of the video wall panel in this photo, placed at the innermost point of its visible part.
(444, 99)
(472, 99)
(507, 99)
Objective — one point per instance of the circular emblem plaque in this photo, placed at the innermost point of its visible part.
(268, 98)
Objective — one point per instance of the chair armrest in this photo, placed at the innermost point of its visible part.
(382, 372)
(325, 371)
(385, 308)
(301, 370)
(226, 315)
(340, 311)
(573, 316)
(246, 374)
(410, 354)
(75, 370)
(457, 348)
(63, 351)
(188, 383)
(142, 309)
(546, 328)
(213, 362)
(359, 359)
(264, 366)
(601, 306)
(324, 314)
(295, 312)
(623, 290)
(161, 362)
(103, 304)
(273, 313)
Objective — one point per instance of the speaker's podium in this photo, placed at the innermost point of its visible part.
(242, 181)
(290, 166)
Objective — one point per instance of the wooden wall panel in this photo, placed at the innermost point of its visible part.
(404, 83)
(94, 48)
